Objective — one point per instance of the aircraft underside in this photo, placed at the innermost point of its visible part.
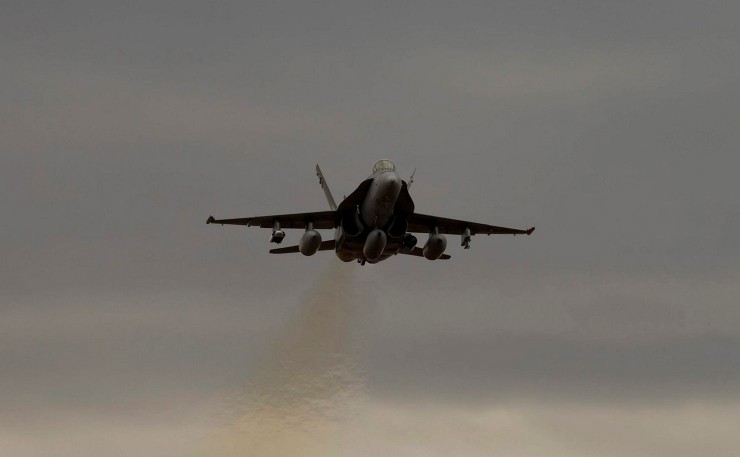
(373, 223)
(379, 247)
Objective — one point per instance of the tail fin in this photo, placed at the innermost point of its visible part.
(411, 179)
(324, 186)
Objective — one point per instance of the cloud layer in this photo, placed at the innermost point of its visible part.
(128, 323)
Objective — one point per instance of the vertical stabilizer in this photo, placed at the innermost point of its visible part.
(324, 186)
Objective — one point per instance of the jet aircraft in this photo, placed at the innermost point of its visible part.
(374, 222)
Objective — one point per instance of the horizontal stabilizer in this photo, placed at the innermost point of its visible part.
(327, 245)
(419, 252)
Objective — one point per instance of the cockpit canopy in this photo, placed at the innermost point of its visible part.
(383, 165)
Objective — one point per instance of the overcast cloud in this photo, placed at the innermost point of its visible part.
(129, 325)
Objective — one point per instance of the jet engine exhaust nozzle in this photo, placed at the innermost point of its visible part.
(409, 241)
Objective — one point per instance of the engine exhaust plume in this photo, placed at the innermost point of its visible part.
(294, 406)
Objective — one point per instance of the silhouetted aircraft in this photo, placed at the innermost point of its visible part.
(374, 222)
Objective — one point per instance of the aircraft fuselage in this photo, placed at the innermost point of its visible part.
(377, 215)
(374, 222)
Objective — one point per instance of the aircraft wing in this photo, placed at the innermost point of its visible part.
(320, 219)
(422, 223)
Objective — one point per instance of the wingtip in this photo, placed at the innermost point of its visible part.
(530, 230)
(210, 220)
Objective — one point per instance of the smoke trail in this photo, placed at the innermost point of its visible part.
(297, 402)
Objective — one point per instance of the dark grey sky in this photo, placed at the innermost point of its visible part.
(611, 127)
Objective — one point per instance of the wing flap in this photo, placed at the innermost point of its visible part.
(422, 223)
(320, 220)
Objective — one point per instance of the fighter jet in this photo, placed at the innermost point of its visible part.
(373, 223)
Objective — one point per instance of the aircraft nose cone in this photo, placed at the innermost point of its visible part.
(391, 184)
(389, 187)
(392, 180)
